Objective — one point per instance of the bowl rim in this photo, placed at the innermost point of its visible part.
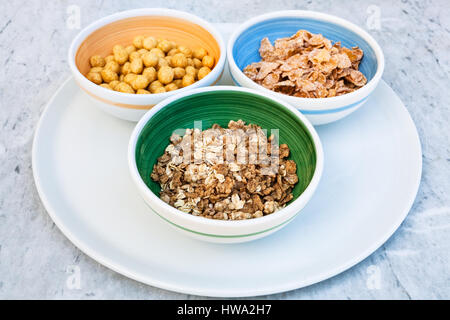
(281, 215)
(310, 104)
(144, 99)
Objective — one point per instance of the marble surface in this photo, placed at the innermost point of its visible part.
(38, 261)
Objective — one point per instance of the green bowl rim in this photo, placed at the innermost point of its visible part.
(306, 194)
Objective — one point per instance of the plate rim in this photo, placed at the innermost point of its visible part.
(105, 261)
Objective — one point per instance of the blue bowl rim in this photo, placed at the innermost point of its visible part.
(311, 103)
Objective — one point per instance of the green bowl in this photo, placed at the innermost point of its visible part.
(220, 105)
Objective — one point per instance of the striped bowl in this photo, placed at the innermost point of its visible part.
(120, 28)
(220, 104)
(243, 50)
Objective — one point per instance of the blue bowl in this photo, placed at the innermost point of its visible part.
(245, 42)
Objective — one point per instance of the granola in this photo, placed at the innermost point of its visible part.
(232, 173)
(307, 65)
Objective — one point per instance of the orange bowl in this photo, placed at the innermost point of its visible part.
(120, 28)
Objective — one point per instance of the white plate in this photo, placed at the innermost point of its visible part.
(371, 176)
(372, 172)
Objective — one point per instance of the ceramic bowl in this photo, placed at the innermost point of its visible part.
(243, 50)
(220, 104)
(120, 28)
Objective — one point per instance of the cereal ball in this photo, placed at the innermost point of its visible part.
(106, 86)
(192, 71)
(208, 61)
(108, 75)
(121, 77)
(165, 75)
(154, 85)
(173, 51)
(126, 68)
(165, 45)
(129, 78)
(124, 87)
(187, 80)
(186, 51)
(162, 63)
(140, 82)
(130, 49)
(95, 77)
(179, 60)
(113, 66)
(197, 63)
(96, 69)
(142, 91)
(178, 73)
(150, 59)
(158, 52)
(169, 60)
(190, 62)
(160, 90)
(134, 55)
(150, 73)
(177, 82)
(120, 54)
(137, 66)
(199, 53)
(97, 61)
(109, 58)
(171, 87)
(113, 84)
(138, 42)
(203, 72)
(142, 52)
(149, 43)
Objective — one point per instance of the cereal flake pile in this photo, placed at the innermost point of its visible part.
(227, 190)
(307, 65)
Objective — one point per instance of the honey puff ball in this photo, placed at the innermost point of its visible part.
(165, 75)
(197, 63)
(171, 87)
(158, 52)
(140, 82)
(134, 55)
(124, 87)
(154, 85)
(150, 73)
(113, 66)
(120, 54)
(186, 51)
(97, 61)
(208, 61)
(106, 86)
(130, 49)
(108, 75)
(187, 80)
(95, 77)
(179, 60)
(136, 66)
(160, 90)
(165, 45)
(150, 59)
(113, 84)
(138, 42)
(178, 72)
(192, 71)
(199, 53)
(203, 72)
(149, 43)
